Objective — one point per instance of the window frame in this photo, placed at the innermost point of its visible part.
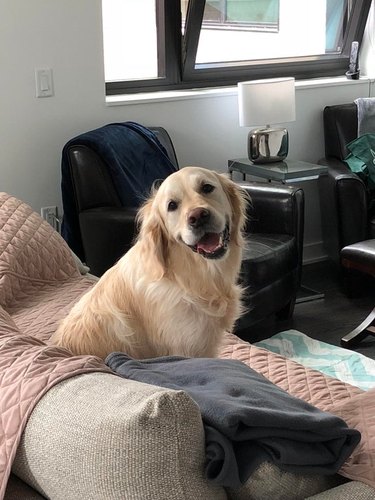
(178, 54)
(168, 22)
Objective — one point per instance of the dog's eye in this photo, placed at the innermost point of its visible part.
(207, 188)
(172, 206)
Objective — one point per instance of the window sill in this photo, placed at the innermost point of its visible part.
(178, 95)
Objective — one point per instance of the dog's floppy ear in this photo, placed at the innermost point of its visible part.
(156, 184)
(239, 200)
(152, 234)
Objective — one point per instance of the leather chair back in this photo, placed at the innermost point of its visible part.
(87, 186)
(343, 195)
(93, 184)
(340, 128)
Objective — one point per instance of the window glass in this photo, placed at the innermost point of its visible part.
(262, 14)
(130, 46)
(237, 30)
(338, 12)
(241, 12)
(253, 11)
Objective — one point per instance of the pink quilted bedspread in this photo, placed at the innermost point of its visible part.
(39, 282)
(353, 405)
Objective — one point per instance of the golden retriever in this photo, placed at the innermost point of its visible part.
(175, 291)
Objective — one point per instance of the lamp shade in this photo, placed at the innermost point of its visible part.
(262, 102)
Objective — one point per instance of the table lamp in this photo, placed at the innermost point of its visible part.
(267, 102)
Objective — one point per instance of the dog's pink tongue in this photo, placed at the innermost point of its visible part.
(209, 242)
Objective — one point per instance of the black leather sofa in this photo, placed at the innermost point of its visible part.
(344, 200)
(271, 268)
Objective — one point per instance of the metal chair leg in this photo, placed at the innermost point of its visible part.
(365, 328)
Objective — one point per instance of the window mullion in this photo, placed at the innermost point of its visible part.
(356, 25)
(194, 18)
(172, 39)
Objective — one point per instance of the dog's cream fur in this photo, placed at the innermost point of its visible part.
(163, 298)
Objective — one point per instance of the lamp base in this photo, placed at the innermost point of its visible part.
(268, 145)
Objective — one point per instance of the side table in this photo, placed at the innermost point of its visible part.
(284, 171)
(287, 171)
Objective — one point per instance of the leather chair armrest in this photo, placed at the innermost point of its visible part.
(343, 206)
(275, 208)
(107, 233)
(337, 167)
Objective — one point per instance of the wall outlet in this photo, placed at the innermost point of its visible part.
(51, 216)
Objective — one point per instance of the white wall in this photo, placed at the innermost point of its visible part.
(66, 35)
(368, 45)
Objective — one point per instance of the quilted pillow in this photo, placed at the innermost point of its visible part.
(32, 253)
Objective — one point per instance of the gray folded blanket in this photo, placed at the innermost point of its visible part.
(247, 419)
(366, 115)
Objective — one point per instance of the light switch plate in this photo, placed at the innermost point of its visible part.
(43, 82)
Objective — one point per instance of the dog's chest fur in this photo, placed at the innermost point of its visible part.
(181, 324)
(182, 313)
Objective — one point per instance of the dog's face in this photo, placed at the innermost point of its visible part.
(200, 209)
(196, 211)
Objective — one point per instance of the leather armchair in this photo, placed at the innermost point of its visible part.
(271, 267)
(106, 227)
(272, 260)
(343, 195)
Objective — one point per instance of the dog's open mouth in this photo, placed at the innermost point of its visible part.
(213, 245)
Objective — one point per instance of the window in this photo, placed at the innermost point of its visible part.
(176, 44)
(236, 14)
(130, 46)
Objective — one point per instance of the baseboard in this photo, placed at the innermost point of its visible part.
(314, 252)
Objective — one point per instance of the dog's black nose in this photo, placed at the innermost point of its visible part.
(198, 217)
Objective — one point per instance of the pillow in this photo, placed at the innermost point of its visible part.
(269, 482)
(32, 253)
(353, 490)
(100, 436)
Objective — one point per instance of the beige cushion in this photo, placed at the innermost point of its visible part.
(98, 436)
(354, 490)
(269, 482)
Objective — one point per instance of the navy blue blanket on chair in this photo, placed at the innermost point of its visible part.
(135, 159)
(247, 419)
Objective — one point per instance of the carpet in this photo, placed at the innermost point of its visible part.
(348, 366)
